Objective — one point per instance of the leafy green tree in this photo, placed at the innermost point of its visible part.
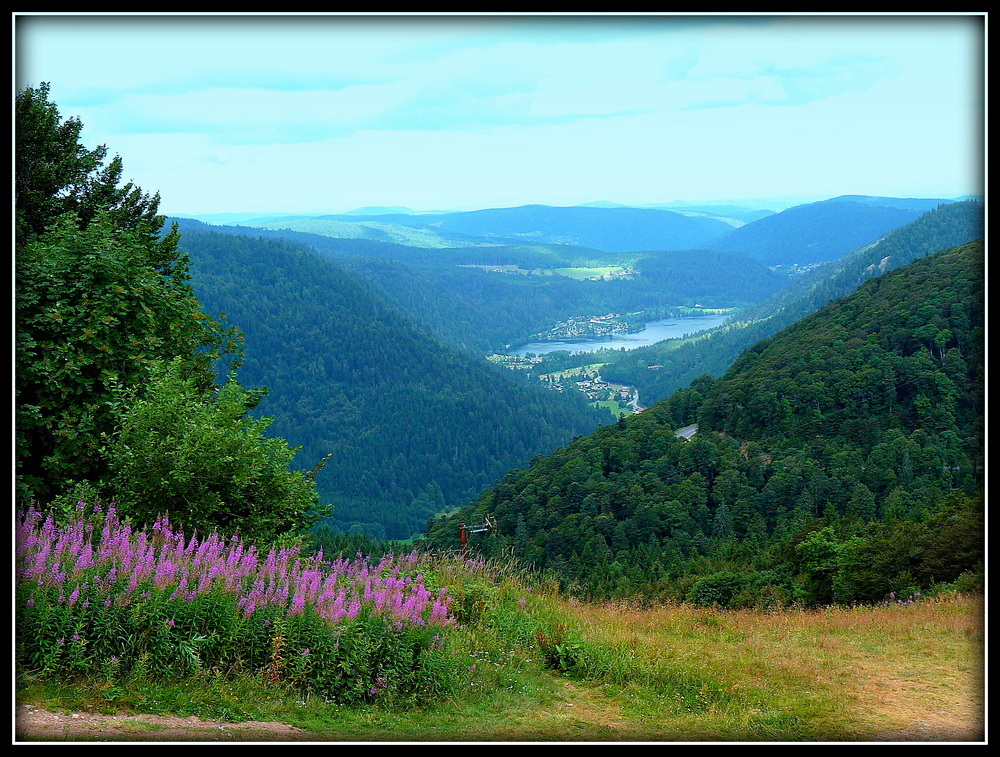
(817, 560)
(203, 461)
(101, 295)
(115, 383)
(862, 503)
(93, 315)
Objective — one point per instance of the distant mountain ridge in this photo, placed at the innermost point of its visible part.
(615, 229)
(823, 231)
(949, 225)
(804, 234)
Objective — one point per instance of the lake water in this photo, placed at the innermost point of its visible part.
(655, 331)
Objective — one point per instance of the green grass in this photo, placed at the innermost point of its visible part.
(612, 405)
(536, 667)
(601, 272)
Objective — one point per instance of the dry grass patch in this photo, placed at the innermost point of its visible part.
(898, 672)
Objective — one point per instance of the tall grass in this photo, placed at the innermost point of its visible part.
(108, 616)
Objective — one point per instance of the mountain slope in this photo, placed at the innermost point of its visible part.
(838, 461)
(822, 231)
(935, 230)
(413, 426)
(905, 352)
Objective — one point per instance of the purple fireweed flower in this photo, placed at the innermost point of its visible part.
(161, 562)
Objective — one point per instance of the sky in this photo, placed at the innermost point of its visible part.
(328, 113)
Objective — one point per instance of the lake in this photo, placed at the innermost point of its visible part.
(655, 331)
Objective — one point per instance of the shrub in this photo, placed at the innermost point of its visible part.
(203, 460)
(717, 590)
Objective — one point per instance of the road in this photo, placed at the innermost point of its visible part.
(687, 432)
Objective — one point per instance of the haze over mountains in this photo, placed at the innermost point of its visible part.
(622, 229)
(373, 349)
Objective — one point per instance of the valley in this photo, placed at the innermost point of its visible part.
(500, 377)
(472, 301)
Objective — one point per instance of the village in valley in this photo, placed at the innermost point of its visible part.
(591, 326)
(617, 398)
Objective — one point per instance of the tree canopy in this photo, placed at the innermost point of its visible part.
(103, 303)
(840, 460)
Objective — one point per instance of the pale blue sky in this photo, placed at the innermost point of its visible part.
(321, 114)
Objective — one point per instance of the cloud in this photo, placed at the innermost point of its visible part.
(428, 108)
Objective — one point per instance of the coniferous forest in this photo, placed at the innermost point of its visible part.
(407, 426)
(839, 461)
(499, 378)
(277, 380)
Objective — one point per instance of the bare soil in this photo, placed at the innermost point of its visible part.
(33, 724)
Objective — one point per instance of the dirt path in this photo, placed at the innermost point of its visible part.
(33, 724)
(923, 724)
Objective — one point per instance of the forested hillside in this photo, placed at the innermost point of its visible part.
(411, 426)
(821, 231)
(460, 296)
(840, 460)
(680, 364)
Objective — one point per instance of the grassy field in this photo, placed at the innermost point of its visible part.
(615, 673)
(613, 407)
(596, 272)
